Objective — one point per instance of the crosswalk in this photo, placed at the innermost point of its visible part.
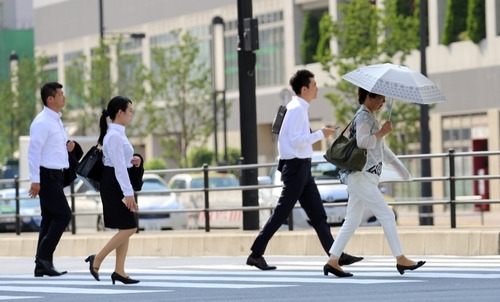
(290, 273)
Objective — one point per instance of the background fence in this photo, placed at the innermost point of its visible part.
(452, 184)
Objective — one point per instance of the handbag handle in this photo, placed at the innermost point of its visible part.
(342, 133)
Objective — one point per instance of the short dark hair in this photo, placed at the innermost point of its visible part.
(362, 93)
(49, 89)
(300, 79)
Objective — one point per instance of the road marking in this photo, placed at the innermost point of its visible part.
(375, 270)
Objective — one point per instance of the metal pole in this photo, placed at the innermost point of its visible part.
(101, 20)
(224, 119)
(453, 205)
(206, 193)
(216, 152)
(426, 211)
(101, 35)
(248, 126)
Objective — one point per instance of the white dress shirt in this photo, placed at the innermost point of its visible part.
(47, 146)
(118, 152)
(295, 139)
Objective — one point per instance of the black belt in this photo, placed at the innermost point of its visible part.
(52, 170)
(300, 159)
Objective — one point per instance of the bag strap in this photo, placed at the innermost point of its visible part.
(351, 121)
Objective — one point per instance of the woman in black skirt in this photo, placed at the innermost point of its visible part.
(117, 194)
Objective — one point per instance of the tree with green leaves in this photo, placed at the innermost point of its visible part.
(455, 21)
(89, 90)
(358, 35)
(476, 21)
(180, 83)
(20, 102)
(310, 38)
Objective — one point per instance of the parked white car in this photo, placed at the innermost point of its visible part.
(217, 199)
(88, 204)
(27, 206)
(161, 200)
(323, 172)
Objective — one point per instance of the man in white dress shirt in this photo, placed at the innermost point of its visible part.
(48, 158)
(295, 142)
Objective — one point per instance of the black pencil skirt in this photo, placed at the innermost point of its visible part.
(116, 213)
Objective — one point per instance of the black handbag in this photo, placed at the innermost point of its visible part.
(90, 167)
(345, 154)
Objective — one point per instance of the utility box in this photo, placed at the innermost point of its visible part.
(251, 34)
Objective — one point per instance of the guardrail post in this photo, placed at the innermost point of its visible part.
(18, 205)
(137, 213)
(207, 203)
(73, 216)
(453, 205)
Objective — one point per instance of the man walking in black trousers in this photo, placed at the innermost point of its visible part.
(295, 150)
(48, 158)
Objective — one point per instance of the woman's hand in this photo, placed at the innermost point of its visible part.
(386, 128)
(130, 203)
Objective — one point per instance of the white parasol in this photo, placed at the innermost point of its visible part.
(395, 81)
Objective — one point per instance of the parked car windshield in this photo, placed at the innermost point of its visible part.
(324, 171)
(153, 185)
(215, 182)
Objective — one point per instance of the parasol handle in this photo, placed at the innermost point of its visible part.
(390, 109)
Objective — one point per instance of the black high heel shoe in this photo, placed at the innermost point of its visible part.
(330, 269)
(93, 270)
(402, 268)
(124, 280)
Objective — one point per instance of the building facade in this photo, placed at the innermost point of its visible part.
(467, 73)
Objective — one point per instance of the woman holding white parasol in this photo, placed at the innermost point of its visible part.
(363, 185)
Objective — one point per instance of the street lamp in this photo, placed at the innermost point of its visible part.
(285, 95)
(135, 36)
(13, 65)
(219, 79)
(13, 70)
(426, 189)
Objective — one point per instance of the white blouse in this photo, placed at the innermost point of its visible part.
(117, 153)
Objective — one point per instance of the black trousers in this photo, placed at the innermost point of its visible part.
(298, 184)
(56, 213)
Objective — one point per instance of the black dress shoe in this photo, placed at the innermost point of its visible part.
(45, 267)
(330, 269)
(94, 271)
(402, 268)
(259, 263)
(125, 280)
(346, 259)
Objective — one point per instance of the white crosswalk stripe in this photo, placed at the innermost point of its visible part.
(375, 270)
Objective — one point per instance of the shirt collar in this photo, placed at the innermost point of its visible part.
(363, 107)
(117, 127)
(52, 113)
(302, 102)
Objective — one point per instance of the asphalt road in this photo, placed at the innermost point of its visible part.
(443, 278)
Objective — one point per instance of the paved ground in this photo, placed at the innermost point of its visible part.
(228, 279)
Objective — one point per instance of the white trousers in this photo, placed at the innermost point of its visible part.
(364, 191)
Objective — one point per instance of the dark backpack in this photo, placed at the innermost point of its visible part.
(278, 119)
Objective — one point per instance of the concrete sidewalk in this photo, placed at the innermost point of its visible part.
(422, 240)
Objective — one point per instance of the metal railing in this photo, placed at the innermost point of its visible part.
(452, 201)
